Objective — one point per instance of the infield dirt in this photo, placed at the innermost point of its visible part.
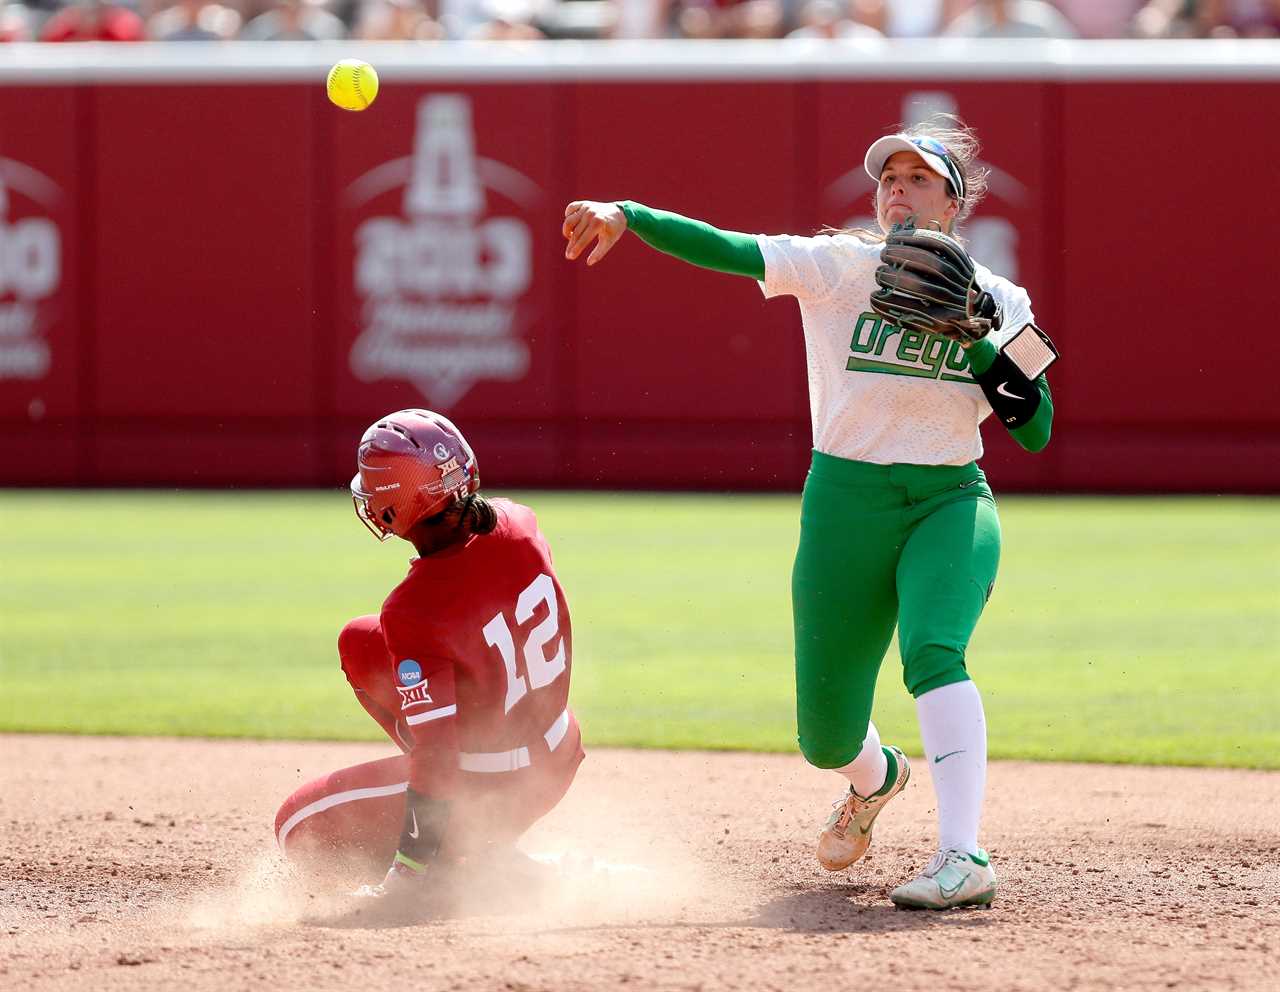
(131, 864)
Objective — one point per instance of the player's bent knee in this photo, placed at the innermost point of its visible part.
(828, 737)
(343, 825)
(828, 755)
(360, 638)
(292, 811)
(286, 810)
(356, 633)
(933, 666)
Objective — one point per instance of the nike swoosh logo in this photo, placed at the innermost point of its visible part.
(971, 482)
(948, 893)
(944, 757)
(1004, 392)
(413, 813)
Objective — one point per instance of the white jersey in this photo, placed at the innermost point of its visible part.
(876, 393)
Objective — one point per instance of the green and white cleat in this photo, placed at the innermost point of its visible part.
(847, 834)
(951, 878)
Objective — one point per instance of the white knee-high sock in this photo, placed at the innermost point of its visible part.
(954, 731)
(867, 771)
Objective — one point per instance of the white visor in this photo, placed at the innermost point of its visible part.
(934, 154)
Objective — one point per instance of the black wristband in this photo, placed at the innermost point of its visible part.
(1014, 398)
(424, 822)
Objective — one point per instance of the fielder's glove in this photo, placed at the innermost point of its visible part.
(927, 283)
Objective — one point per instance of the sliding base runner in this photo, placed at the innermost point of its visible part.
(466, 669)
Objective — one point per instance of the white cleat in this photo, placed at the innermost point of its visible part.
(847, 834)
(951, 878)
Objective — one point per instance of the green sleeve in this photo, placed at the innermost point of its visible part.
(1034, 434)
(981, 355)
(694, 241)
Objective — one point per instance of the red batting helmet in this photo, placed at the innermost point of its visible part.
(413, 464)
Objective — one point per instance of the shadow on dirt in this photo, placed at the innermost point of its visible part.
(857, 909)
(454, 898)
(825, 909)
(367, 914)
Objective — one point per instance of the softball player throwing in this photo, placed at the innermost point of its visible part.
(910, 347)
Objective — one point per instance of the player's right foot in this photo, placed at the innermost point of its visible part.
(847, 833)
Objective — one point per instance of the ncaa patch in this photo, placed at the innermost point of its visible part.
(409, 672)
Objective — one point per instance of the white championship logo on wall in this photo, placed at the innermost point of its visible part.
(30, 271)
(440, 286)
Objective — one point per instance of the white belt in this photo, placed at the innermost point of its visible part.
(516, 758)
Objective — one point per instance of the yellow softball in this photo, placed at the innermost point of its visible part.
(352, 84)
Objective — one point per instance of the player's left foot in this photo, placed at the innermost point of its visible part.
(847, 833)
(951, 878)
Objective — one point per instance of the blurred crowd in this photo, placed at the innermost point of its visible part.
(303, 20)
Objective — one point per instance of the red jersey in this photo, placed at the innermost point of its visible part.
(481, 647)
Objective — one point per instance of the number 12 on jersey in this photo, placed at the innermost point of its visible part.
(540, 670)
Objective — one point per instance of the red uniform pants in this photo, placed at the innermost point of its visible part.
(350, 820)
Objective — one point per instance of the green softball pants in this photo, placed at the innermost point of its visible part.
(911, 545)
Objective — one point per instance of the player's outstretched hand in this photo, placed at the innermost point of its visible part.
(588, 219)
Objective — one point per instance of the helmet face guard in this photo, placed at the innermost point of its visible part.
(413, 464)
(361, 500)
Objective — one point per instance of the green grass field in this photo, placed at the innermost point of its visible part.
(1144, 630)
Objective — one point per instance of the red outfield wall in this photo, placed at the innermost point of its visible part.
(221, 280)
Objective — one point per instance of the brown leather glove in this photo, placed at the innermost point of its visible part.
(927, 283)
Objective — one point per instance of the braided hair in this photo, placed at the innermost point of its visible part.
(468, 515)
(476, 514)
